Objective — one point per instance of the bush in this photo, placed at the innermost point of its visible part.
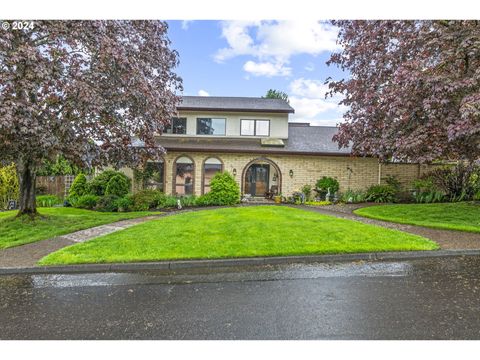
(124, 204)
(318, 203)
(425, 191)
(79, 186)
(224, 190)
(353, 196)
(204, 200)
(188, 201)
(117, 186)
(147, 200)
(381, 194)
(307, 191)
(324, 184)
(98, 185)
(9, 189)
(84, 202)
(107, 203)
(48, 200)
(458, 183)
(393, 182)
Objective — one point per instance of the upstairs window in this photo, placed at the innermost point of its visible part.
(177, 126)
(254, 127)
(210, 126)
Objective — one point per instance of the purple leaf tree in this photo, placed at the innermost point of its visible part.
(84, 89)
(414, 89)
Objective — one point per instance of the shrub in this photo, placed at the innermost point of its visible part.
(166, 201)
(124, 204)
(84, 202)
(9, 189)
(393, 182)
(98, 185)
(117, 186)
(318, 203)
(188, 201)
(425, 191)
(307, 191)
(458, 183)
(146, 199)
(381, 194)
(107, 203)
(353, 196)
(224, 190)
(48, 200)
(324, 184)
(204, 200)
(79, 186)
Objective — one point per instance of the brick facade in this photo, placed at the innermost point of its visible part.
(351, 172)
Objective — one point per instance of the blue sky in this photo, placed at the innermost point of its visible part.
(246, 58)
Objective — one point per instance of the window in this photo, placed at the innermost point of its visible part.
(153, 174)
(210, 168)
(184, 174)
(210, 126)
(177, 126)
(255, 127)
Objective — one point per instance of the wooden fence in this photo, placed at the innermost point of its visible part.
(55, 185)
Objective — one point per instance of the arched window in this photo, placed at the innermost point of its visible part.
(154, 175)
(184, 176)
(210, 167)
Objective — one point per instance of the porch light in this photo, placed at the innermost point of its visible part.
(234, 172)
(291, 173)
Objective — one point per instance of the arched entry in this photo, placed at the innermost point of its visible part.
(260, 176)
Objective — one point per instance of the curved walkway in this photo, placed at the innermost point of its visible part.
(447, 239)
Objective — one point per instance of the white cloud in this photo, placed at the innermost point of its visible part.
(186, 24)
(202, 92)
(276, 41)
(266, 69)
(309, 67)
(308, 99)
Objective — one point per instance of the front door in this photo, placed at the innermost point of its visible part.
(256, 179)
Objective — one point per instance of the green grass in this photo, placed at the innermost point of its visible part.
(451, 216)
(53, 222)
(238, 232)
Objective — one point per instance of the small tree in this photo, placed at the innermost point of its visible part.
(88, 90)
(277, 94)
(79, 186)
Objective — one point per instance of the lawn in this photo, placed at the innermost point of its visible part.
(54, 221)
(462, 216)
(238, 232)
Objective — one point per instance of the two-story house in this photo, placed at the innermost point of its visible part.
(253, 140)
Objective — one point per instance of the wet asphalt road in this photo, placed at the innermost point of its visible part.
(420, 299)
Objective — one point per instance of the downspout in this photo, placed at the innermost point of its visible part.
(379, 172)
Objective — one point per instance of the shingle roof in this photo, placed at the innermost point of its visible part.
(222, 103)
(311, 140)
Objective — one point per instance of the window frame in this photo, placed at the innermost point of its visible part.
(222, 167)
(171, 127)
(174, 175)
(255, 127)
(212, 118)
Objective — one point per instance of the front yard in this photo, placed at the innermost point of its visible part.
(464, 216)
(53, 222)
(238, 232)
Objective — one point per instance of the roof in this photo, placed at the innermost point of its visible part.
(303, 140)
(243, 104)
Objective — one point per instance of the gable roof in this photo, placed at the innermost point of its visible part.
(241, 104)
(302, 140)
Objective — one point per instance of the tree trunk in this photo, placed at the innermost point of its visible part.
(27, 174)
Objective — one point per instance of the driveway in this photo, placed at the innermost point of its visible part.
(418, 299)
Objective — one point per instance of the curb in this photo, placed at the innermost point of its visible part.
(255, 261)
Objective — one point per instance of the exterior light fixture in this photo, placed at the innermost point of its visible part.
(291, 173)
(234, 172)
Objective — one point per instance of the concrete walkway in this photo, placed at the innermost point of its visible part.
(447, 239)
(28, 254)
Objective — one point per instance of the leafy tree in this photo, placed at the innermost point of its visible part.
(79, 187)
(277, 94)
(60, 166)
(87, 90)
(414, 88)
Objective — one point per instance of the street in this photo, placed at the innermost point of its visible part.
(418, 299)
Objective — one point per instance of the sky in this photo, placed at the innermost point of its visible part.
(246, 58)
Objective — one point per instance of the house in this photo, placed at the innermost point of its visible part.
(253, 139)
